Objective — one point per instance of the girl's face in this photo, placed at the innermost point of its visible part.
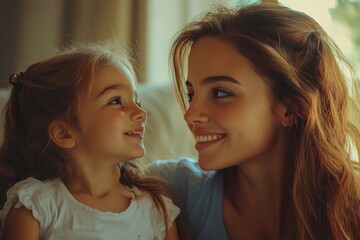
(230, 113)
(111, 121)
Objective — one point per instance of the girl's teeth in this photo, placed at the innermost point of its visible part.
(208, 138)
(133, 133)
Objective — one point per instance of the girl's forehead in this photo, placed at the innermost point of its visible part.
(129, 75)
(117, 69)
(127, 72)
(111, 76)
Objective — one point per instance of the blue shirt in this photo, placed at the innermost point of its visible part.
(198, 193)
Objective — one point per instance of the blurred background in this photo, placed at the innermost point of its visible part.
(31, 29)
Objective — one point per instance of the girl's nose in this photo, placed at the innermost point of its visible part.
(139, 114)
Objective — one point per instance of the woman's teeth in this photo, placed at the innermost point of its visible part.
(208, 138)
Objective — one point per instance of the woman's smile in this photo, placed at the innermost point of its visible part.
(204, 140)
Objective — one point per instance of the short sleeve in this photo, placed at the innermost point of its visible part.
(31, 194)
(172, 211)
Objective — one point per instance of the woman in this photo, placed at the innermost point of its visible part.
(269, 107)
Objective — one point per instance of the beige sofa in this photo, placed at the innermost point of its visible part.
(166, 134)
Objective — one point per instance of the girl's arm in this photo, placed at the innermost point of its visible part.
(20, 224)
(172, 233)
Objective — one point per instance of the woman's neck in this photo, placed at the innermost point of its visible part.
(254, 192)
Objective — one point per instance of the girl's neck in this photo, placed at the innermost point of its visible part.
(100, 189)
(94, 182)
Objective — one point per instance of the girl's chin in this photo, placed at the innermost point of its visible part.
(136, 153)
(140, 154)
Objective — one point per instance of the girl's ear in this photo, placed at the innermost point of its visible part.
(61, 134)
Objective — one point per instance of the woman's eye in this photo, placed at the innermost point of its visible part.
(116, 101)
(189, 96)
(220, 93)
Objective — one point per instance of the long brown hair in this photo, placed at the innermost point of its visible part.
(301, 65)
(53, 89)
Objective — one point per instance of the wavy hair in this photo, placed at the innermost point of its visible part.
(304, 70)
(50, 90)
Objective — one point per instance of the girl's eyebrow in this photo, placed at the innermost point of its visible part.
(109, 88)
(213, 79)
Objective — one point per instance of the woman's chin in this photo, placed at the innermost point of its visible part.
(206, 164)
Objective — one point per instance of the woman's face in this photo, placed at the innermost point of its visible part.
(230, 112)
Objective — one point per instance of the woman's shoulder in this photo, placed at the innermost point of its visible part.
(185, 179)
(179, 169)
(197, 192)
(175, 162)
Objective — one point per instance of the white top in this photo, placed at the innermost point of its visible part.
(61, 216)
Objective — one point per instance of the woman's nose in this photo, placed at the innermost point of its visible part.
(196, 113)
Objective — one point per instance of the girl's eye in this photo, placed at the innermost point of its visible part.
(138, 104)
(221, 93)
(116, 101)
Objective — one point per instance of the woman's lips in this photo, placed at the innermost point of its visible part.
(205, 140)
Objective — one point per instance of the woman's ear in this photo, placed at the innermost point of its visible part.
(285, 115)
(61, 134)
(288, 119)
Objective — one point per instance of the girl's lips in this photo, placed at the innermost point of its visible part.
(137, 133)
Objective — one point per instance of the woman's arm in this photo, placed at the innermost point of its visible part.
(20, 224)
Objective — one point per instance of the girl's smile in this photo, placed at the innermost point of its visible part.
(137, 133)
(111, 120)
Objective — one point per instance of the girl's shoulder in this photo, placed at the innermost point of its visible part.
(33, 184)
(34, 195)
(145, 201)
(32, 188)
(147, 209)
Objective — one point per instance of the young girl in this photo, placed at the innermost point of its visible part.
(72, 125)
(271, 113)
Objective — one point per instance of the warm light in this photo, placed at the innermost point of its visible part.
(320, 11)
